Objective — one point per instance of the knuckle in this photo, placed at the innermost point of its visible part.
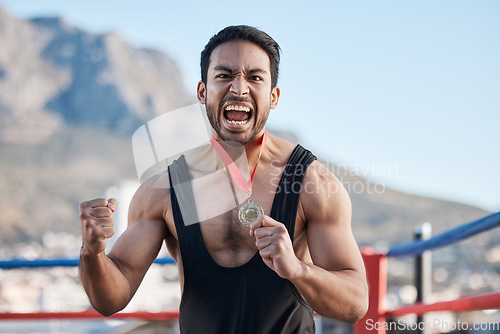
(83, 214)
(282, 238)
(86, 221)
(86, 216)
(96, 233)
(83, 207)
(280, 247)
(110, 233)
(89, 226)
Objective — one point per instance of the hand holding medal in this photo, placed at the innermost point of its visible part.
(250, 210)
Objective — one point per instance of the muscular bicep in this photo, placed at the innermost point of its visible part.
(327, 210)
(137, 248)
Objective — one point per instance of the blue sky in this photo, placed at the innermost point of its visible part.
(406, 93)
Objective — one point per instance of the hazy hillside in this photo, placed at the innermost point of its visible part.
(52, 74)
(69, 101)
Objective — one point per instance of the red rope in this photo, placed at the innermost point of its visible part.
(171, 315)
(471, 303)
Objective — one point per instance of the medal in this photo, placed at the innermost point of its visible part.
(250, 210)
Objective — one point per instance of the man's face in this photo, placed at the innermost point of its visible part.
(238, 93)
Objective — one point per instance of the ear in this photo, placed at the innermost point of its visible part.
(201, 92)
(275, 96)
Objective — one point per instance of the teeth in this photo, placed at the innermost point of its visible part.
(237, 122)
(238, 108)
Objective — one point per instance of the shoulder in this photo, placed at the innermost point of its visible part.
(323, 179)
(278, 149)
(275, 142)
(324, 197)
(151, 199)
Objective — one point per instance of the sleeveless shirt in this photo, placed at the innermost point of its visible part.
(251, 298)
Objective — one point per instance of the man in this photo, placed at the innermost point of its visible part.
(299, 256)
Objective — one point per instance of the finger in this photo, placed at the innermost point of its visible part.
(98, 202)
(94, 227)
(264, 242)
(104, 222)
(108, 232)
(112, 203)
(91, 226)
(98, 236)
(267, 252)
(263, 232)
(87, 208)
(101, 212)
(256, 224)
(262, 221)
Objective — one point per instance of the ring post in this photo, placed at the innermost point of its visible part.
(374, 322)
(423, 272)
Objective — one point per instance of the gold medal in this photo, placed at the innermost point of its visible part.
(249, 212)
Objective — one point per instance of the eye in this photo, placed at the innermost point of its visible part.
(223, 76)
(255, 78)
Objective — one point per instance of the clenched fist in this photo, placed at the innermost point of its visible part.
(96, 218)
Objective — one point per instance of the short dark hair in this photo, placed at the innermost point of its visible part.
(243, 33)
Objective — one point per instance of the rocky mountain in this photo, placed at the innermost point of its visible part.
(52, 74)
(69, 101)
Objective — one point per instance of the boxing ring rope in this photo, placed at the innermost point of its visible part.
(447, 238)
(472, 303)
(40, 263)
(376, 268)
(89, 314)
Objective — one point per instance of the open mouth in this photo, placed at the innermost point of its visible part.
(237, 115)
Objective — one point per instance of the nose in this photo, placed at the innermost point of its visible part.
(239, 86)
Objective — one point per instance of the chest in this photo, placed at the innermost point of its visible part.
(217, 202)
(227, 240)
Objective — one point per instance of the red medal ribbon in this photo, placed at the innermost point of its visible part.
(235, 172)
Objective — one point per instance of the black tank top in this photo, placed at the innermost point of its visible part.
(251, 298)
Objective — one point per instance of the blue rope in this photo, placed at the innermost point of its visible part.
(447, 238)
(20, 263)
(414, 248)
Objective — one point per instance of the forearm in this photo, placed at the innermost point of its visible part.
(341, 295)
(106, 286)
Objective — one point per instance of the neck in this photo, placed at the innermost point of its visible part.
(253, 148)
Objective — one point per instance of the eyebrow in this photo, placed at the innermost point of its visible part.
(230, 70)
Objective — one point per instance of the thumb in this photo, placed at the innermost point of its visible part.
(112, 203)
